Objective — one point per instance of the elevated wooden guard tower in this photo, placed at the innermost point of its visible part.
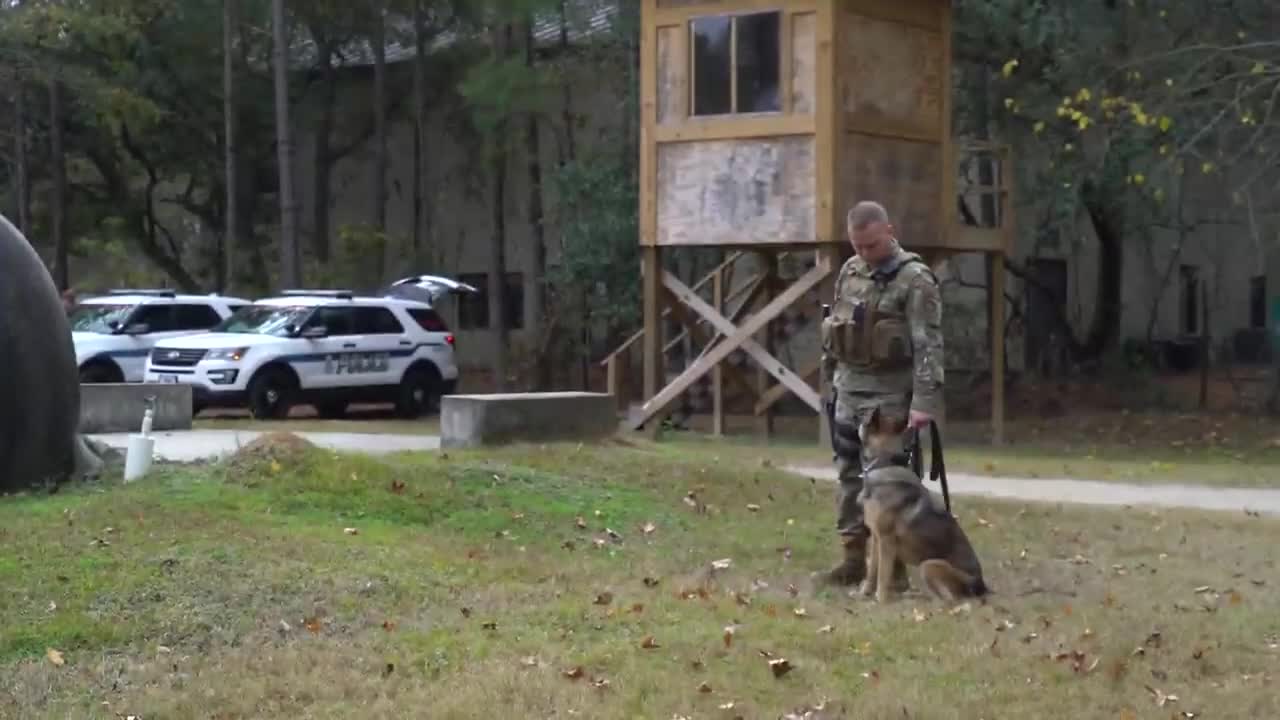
(762, 122)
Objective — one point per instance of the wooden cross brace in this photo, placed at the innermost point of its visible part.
(735, 338)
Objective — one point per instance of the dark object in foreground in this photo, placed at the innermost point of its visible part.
(39, 384)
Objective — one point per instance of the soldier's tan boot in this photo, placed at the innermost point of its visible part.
(853, 568)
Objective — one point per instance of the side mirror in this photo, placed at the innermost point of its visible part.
(314, 331)
(136, 329)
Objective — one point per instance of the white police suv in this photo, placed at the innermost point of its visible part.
(326, 348)
(114, 333)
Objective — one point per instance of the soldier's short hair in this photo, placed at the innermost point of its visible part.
(866, 213)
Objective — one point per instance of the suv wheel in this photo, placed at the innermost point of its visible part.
(419, 392)
(271, 394)
(100, 372)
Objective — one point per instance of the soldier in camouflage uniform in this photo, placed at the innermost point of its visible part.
(882, 345)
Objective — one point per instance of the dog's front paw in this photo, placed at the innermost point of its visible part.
(867, 588)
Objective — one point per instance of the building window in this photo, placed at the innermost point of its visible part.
(1258, 302)
(737, 63)
(473, 308)
(1190, 305)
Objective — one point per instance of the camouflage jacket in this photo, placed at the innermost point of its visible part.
(884, 334)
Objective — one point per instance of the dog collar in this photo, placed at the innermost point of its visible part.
(898, 459)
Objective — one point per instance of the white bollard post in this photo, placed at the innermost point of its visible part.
(137, 460)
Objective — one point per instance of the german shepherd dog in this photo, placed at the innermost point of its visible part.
(907, 522)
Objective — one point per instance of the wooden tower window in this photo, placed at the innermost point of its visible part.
(736, 64)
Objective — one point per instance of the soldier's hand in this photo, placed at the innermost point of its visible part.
(917, 419)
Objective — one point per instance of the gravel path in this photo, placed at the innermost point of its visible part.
(1090, 492)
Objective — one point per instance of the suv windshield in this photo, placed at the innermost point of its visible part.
(97, 317)
(264, 320)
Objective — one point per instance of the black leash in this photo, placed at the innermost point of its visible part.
(938, 466)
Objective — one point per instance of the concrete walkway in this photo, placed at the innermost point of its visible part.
(192, 445)
(1090, 492)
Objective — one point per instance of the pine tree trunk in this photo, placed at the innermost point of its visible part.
(58, 209)
(230, 110)
(290, 258)
(21, 181)
(537, 289)
(380, 124)
(498, 240)
(322, 156)
(419, 123)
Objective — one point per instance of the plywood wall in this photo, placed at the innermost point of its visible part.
(803, 71)
(903, 175)
(891, 69)
(730, 192)
(673, 75)
(891, 76)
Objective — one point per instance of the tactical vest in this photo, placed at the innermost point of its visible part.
(868, 326)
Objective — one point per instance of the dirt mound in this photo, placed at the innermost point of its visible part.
(270, 450)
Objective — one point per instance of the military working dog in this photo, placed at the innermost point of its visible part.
(907, 522)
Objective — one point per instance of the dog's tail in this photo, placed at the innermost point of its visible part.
(940, 573)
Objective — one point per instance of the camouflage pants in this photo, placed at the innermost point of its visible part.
(851, 409)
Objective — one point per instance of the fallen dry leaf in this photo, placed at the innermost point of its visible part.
(397, 486)
(651, 582)
(704, 688)
(648, 643)
(792, 590)
(388, 625)
(466, 612)
(961, 609)
(779, 667)
(55, 657)
(604, 598)
(1160, 697)
(580, 522)
(800, 612)
(729, 631)
(600, 683)
(723, 564)
(574, 673)
(529, 661)
(312, 624)
(648, 528)
(919, 616)
(727, 706)
(825, 629)
(637, 608)
(350, 531)
(753, 507)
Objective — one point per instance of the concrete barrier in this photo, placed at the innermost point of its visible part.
(473, 420)
(118, 407)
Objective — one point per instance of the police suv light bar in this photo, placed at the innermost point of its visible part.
(340, 294)
(151, 292)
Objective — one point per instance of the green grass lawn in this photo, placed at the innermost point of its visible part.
(563, 581)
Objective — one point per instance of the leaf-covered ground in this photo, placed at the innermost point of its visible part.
(588, 582)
